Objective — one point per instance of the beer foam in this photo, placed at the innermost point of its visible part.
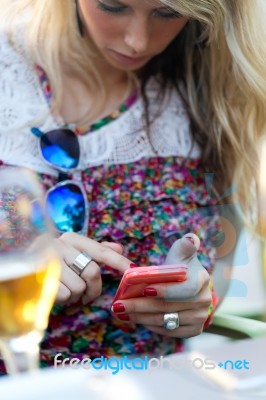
(13, 270)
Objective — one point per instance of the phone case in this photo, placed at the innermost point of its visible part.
(136, 279)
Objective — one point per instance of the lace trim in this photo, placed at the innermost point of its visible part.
(23, 105)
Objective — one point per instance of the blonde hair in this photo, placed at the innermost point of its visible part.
(51, 39)
(225, 82)
(224, 71)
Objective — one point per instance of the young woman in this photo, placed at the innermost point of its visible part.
(138, 104)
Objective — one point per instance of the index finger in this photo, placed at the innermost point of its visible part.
(98, 252)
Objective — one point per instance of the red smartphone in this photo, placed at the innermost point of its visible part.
(136, 279)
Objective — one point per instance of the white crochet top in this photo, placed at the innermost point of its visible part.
(23, 105)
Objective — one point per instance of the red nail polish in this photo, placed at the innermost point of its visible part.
(118, 308)
(150, 292)
(123, 317)
(133, 265)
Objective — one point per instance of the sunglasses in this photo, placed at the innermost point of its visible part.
(66, 202)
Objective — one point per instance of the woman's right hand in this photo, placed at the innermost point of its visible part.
(87, 286)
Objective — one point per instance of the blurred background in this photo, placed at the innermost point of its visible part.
(249, 300)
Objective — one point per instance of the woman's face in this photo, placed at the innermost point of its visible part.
(128, 33)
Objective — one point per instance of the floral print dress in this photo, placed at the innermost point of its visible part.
(145, 205)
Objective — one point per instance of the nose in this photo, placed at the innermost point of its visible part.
(137, 35)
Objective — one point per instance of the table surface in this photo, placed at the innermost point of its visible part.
(181, 381)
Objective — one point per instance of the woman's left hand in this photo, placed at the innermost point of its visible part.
(190, 299)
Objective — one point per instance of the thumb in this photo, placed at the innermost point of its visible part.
(114, 246)
(184, 249)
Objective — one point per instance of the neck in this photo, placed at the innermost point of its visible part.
(111, 76)
(79, 102)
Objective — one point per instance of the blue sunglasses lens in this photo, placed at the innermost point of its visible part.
(66, 207)
(60, 148)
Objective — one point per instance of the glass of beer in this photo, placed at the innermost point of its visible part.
(29, 269)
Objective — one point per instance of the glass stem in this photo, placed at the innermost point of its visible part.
(21, 354)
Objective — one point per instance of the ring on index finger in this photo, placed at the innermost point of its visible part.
(80, 262)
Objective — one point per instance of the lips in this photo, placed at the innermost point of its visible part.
(126, 58)
(131, 58)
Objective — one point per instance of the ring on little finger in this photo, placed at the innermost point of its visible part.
(171, 321)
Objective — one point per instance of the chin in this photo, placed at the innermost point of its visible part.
(126, 65)
(128, 68)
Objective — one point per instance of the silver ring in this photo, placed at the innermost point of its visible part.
(171, 321)
(80, 263)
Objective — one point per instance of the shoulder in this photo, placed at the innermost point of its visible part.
(154, 91)
(170, 123)
(8, 51)
(165, 107)
(13, 55)
(20, 94)
(14, 64)
(21, 104)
